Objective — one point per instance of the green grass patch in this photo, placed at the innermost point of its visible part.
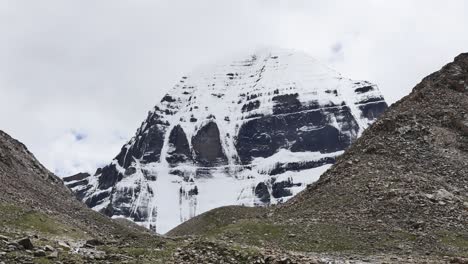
(43, 261)
(28, 220)
(311, 237)
(146, 254)
(456, 242)
(317, 238)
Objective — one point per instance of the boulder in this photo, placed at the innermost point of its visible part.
(48, 248)
(64, 245)
(26, 243)
(39, 253)
(94, 242)
(53, 255)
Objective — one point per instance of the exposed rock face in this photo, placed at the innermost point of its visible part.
(179, 147)
(78, 179)
(252, 132)
(207, 146)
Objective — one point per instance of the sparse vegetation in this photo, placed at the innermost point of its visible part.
(17, 218)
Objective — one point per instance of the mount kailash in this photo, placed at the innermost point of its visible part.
(251, 132)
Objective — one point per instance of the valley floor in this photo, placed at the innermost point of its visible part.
(27, 236)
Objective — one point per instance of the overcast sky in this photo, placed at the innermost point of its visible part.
(78, 77)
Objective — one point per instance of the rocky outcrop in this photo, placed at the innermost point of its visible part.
(207, 146)
(254, 132)
(179, 147)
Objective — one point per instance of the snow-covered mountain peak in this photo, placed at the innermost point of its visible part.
(253, 131)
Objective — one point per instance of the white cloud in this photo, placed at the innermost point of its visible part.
(97, 67)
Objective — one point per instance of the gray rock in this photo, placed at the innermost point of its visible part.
(443, 194)
(53, 255)
(64, 245)
(4, 238)
(39, 253)
(11, 248)
(49, 248)
(94, 242)
(459, 260)
(14, 245)
(430, 196)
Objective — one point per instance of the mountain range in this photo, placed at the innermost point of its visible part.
(398, 194)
